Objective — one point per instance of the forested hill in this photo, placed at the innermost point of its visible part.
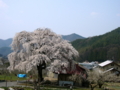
(99, 48)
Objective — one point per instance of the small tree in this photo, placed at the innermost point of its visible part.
(4, 70)
(77, 79)
(97, 77)
(104, 77)
(5, 73)
(101, 79)
(34, 78)
(92, 78)
(36, 49)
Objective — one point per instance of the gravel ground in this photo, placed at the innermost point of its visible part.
(8, 84)
(14, 83)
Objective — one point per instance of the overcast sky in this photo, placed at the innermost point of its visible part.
(84, 17)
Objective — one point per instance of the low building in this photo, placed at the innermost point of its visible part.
(110, 66)
(64, 74)
(88, 65)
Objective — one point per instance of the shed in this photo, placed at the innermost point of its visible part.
(65, 73)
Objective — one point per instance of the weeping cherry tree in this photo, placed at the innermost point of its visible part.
(36, 49)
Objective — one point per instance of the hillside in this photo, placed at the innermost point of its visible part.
(5, 43)
(99, 48)
(4, 51)
(72, 37)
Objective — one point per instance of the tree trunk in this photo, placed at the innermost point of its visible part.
(92, 87)
(100, 85)
(39, 68)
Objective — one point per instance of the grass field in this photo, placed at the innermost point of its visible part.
(10, 78)
(114, 86)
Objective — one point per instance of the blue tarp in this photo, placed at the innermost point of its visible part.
(21, 75)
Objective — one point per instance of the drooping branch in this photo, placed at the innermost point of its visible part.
(37, 48)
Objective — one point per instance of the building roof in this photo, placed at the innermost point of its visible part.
(89, 65)
(108, 70)
(105, 63)
(78, 70)
(112, 69)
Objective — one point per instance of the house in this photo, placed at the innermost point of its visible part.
(88, 65)
(110, 66)
(65, 73)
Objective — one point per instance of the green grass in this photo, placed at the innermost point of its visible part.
(25, 88)
(10, 77)
(114, 86)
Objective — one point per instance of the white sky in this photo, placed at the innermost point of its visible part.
(84, 17)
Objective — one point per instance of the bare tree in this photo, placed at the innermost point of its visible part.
(36, 49)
